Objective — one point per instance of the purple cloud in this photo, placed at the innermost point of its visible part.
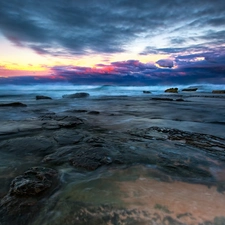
(165, 63)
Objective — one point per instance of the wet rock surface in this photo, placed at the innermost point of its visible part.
(37, 145)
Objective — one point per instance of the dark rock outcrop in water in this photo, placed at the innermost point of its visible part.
(13, 104)
(190, 89)
(172, 90)
(25, 193)
(218, 91)
(40, 97)
(147, 92)
(77, 95)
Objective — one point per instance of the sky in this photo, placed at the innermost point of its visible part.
(138, 42)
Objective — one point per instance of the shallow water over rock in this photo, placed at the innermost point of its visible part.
(134, 195)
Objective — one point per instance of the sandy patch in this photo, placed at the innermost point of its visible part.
(187, 203)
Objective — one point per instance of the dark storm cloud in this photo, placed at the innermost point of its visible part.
(134, 72)
(78, 27)
(122, 68)
(165, 63)
(192, 50)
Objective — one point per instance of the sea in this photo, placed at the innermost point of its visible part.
(57, 90)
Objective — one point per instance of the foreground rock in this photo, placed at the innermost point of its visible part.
(13, 104)
(190, 89)
(40, 97)
(25, 195)
(172, 90)
(218, 91)
(77, 95)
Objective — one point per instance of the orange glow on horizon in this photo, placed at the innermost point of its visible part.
(13, 72)
(22, 61)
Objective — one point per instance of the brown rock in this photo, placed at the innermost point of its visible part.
(172, 90)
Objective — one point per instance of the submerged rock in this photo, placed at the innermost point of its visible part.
(40, 97)
(13, 104)
(172, 90)
(77, 95)
(190, 89)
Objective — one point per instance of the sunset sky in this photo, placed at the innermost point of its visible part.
(114, 42)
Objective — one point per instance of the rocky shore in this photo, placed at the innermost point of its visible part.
(113, 160)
